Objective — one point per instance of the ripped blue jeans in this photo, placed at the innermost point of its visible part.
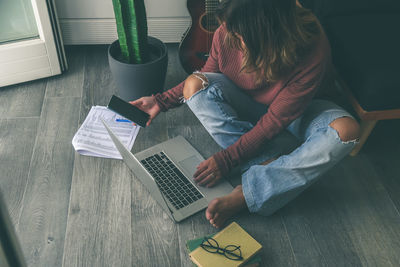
(227, 113)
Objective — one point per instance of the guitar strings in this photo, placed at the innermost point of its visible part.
(211, 21)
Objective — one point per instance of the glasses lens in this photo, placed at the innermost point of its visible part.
(233, 252)
(210, 245)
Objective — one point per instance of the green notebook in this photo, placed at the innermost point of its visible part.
(195, 243)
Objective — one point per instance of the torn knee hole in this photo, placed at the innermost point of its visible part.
(202, 78)
(347, 129)
(194, 83)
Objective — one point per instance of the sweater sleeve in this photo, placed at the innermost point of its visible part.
(174, 96)
(288, 105)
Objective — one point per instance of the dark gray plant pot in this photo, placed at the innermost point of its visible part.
(136, 80)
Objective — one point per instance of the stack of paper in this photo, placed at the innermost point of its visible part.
(92, 138)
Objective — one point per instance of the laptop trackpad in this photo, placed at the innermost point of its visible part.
(190, 165)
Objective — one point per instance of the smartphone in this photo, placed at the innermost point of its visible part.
(129, 111)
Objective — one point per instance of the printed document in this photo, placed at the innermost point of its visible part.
(92, 138)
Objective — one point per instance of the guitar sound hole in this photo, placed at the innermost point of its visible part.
(209, 22)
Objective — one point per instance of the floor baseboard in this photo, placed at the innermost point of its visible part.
(103, 31)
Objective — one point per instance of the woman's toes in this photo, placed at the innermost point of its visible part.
(212, 209)
(221, 209)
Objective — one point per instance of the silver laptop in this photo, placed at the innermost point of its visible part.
(166, 170)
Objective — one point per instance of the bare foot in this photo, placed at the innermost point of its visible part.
(222, 208)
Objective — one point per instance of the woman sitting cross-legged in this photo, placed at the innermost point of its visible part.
(267, 62)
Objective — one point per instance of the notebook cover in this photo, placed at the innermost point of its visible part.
(195, 243)
(233, 234)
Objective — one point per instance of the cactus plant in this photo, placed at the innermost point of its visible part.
(131, 22)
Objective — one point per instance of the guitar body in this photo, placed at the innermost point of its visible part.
(197, 40)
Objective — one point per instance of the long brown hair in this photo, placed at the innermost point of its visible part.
(275, 33)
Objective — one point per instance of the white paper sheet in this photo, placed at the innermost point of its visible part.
(92, 138)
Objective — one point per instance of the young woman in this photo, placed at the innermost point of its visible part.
(267, 61)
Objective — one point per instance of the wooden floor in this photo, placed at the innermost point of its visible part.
(72, 210)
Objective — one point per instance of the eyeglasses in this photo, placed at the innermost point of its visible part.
(232, 252)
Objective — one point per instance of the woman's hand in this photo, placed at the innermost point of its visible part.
(207, 173)
(149, 105)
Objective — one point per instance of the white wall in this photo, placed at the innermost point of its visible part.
(92, 21)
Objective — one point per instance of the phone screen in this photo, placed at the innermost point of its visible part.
(128, 111)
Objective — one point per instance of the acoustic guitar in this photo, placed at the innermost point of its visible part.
(196, 41)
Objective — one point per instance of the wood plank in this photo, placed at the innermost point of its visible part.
(99, 216)
(317, 233)
(272, 234)
(382, 149)
(193, 227)
(150, 239)
(154, 235)
(100, 208)
(71, 82)
(22, 100)
(175, 72)
(17, 139)
(98, 86)
(42, 223)
(371, 219)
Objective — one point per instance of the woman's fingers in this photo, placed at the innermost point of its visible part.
(201, 168)
(210, 179)
(207, 173)
(136, 102)
(199, 178)
(206, 177)
(142, 102)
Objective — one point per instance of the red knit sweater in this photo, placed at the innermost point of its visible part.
(287, 98)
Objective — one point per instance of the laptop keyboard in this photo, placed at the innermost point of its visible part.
(172, 183)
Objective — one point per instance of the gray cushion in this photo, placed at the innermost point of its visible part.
(329, 8)
(366, 53)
